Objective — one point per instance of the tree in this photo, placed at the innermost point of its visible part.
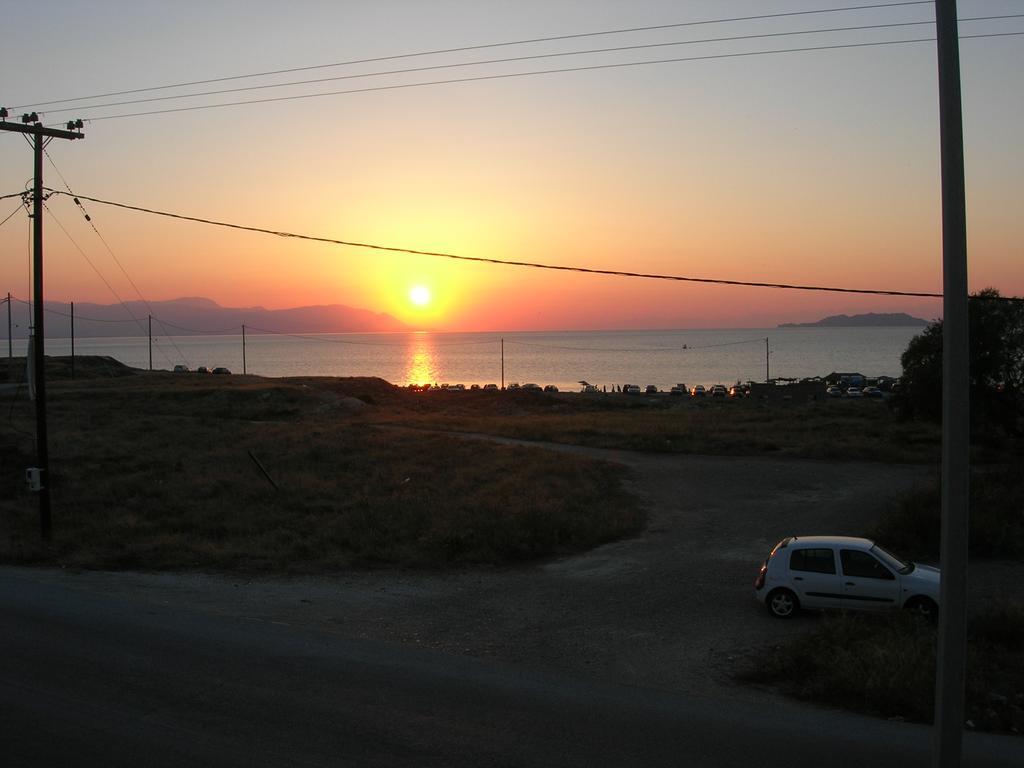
(996, 329)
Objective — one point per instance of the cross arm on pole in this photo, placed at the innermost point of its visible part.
(38, 130)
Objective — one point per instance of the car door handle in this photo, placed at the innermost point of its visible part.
(850, 584)
(798, 578)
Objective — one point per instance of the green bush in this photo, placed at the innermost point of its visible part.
(996, 524)
(884, 664)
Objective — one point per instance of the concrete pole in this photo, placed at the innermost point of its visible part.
(952, 651)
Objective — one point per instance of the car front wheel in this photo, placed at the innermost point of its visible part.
(922, 606)
(783, 604)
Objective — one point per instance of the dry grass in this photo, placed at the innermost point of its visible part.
(865, 431)
(153, 472)
(884, 664)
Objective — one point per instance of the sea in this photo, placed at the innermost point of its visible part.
(565, 359)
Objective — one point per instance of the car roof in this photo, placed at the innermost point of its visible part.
(849, 541)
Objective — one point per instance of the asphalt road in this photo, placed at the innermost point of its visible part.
(91, 679)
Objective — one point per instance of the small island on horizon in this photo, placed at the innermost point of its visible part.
(869, 319)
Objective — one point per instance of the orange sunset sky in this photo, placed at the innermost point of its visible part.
(808, 167)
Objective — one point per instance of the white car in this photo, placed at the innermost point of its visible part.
(817, 572)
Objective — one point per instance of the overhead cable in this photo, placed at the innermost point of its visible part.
(464, 48)
(534, 73)
(100, 274)
(507, 262)
(11, 216)
(529, 57)
(110, 251)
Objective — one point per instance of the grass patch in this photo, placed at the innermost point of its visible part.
(884, 665)
(154, 473)
(865, 431)
(912, 525)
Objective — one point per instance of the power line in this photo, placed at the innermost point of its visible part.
(76, 316)
(465, 48)
(683, 348)
(100, 274)
(325, 339)
(117, 261)
(218, 332)
(534, 73)
(505, 262)
(11, 216)
(432, 67)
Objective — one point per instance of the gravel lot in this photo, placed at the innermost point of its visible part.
(671, 608)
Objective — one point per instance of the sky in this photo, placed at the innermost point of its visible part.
(814, 167)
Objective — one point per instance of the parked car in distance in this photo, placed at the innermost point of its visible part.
(589, 388)
(631, 389)
(550, 388)
(181, 369)
(221, 370)
(456, 387)
(871, 392)
(820, 572)
(514, 385)
(202, 369)
(698, 391)
(737, 390)
(833, 391)
(532, 387)
(718, 390)
(490, 387)
(650, 389)
(679, 389)
(853, 392)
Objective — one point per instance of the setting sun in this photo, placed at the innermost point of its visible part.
(419, 295)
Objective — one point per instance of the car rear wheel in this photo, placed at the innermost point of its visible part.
(922, 606)
(782, 603)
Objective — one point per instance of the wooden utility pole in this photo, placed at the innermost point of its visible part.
(767, 365)
(150, 327)
(72, 341)
(952, 657)
(41, 136)
(10, 336)
(243, 349)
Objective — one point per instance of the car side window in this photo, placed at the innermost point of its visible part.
(863, 565)
(813, 560)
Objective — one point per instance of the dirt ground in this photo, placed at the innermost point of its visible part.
(671, 608)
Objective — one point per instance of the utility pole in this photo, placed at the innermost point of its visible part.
(10, 338)
(39, 477)
(767, 367)
(947, 735)
(503, 364)
(243, 349)
(72, 341)
(150, 325)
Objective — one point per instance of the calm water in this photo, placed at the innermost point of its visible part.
(562, 358)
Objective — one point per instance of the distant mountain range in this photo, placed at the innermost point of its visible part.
(861, 321)
(196, 315)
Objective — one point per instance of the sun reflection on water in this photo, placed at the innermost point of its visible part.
(421, 366)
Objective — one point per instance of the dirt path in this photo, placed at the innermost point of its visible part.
(670, 608)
